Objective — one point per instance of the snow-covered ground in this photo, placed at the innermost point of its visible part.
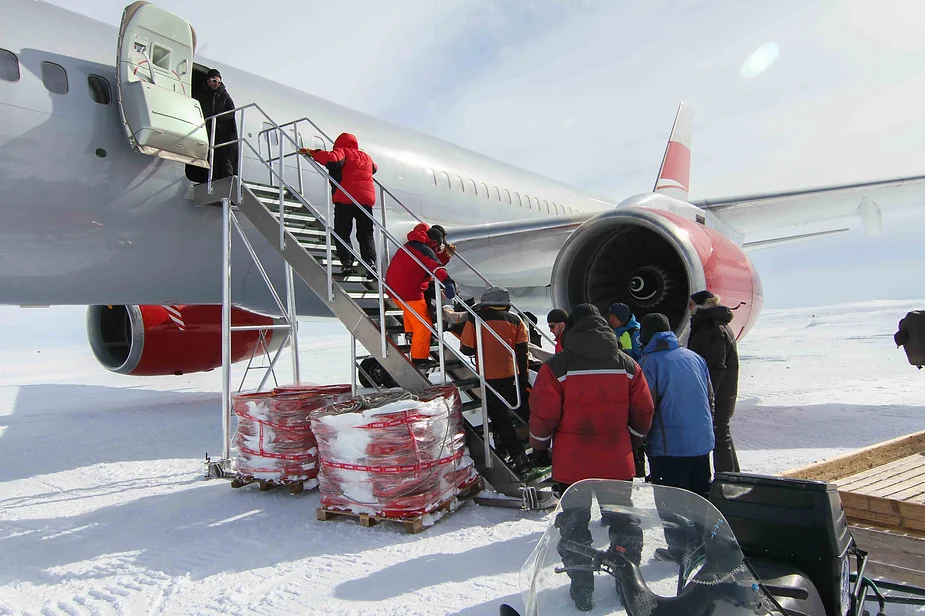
(103, 509)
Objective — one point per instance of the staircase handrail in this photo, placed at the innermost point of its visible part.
(385, 190)
(480, 323)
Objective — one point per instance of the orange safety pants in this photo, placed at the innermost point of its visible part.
(415, 318)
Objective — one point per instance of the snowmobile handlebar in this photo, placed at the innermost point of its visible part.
(720, 597)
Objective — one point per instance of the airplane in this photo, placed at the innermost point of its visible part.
(88, 218)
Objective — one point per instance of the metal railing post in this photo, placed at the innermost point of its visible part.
(353, 364)
(240, 159)
(486, 433)
(438, 295)
(327, 232)
(211, 156)
(298, 158)
(226, 329)
(384, 244)
(282, 193)
(293, 323)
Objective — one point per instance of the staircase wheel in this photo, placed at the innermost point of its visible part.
(377, 373)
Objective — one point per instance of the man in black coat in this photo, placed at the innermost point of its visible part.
(214, 98)
(712, 338)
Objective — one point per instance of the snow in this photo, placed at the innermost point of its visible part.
(103, 509)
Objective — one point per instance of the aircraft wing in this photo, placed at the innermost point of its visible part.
(752, 214)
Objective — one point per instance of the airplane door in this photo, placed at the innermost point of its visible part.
(155, 66)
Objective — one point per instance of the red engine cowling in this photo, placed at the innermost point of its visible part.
(652, 260)
(156, 340)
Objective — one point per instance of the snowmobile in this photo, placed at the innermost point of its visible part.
(669, 552)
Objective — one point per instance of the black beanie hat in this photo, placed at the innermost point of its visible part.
(213, 72)
(557, 315)
(701, 296)
(651, 325)
(581, 311)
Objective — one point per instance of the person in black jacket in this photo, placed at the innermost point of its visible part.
(712, 338)
(214, 98)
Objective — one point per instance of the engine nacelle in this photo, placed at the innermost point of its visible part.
(158, 340)
(652, 260)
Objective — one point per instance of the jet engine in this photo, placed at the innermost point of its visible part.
(158, 340)
(652, 260)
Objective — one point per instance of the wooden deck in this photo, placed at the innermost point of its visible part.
(882, 489)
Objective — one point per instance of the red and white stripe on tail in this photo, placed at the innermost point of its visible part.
(176, 316)
(674, 175)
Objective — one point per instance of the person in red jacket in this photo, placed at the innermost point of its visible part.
(353, 170)
(589, 401)
(407, 281)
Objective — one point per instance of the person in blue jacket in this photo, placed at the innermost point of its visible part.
(626, 328)
(681, 438)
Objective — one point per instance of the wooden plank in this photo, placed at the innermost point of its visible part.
(863, 459)
(900, 483)
(910, 492)
(904, 468)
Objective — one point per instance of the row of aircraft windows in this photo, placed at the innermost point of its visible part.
(496, 194)
(54, 77)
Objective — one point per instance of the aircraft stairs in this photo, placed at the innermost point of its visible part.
(301, 233)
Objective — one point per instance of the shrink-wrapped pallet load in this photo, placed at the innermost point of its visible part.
(275, 441)
(393, 454)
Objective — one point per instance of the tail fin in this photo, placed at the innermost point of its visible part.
(675, 173)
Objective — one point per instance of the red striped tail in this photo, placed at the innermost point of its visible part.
(675, 173)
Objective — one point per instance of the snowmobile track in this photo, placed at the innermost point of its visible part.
(413, 525)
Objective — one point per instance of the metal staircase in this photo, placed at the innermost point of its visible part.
(303, 234)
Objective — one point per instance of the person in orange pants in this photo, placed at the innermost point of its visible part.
(407, 281)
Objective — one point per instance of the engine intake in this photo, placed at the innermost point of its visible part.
(652, 260)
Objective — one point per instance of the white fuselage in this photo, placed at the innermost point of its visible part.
(86, 220)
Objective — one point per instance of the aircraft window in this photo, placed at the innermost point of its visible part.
(472, 187)
(459, 184)
(54, 77)
(445, 179)
(100, 91)
(517, 200)
(160, 56)
(317, 143)
(483, 190)
(527, 202)
(497, 193)
(431, 178)
(507, 196)
(536, 204)
(546, 205)
(9, 66)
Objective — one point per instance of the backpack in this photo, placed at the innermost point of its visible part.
(911, 336)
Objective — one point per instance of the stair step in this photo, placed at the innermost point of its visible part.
(471, 405)
(466, 384)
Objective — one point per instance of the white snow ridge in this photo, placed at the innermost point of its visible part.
(103, 509)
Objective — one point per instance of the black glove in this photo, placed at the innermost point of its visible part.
(449, 288)
(540, 458)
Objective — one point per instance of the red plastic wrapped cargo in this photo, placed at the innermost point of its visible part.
(392, 454)
(275, 440)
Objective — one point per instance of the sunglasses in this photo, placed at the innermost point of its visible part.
(214, 80)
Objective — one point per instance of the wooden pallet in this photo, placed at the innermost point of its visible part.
(882, 485)
(882, 489)
(294, 487)
(413, 525)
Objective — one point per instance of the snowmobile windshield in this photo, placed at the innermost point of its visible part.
(642, 550)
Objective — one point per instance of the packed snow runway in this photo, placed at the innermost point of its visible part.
(103, 509)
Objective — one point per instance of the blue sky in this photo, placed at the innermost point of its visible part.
(585, 91)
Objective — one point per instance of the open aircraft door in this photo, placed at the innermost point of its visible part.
(155, 59)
